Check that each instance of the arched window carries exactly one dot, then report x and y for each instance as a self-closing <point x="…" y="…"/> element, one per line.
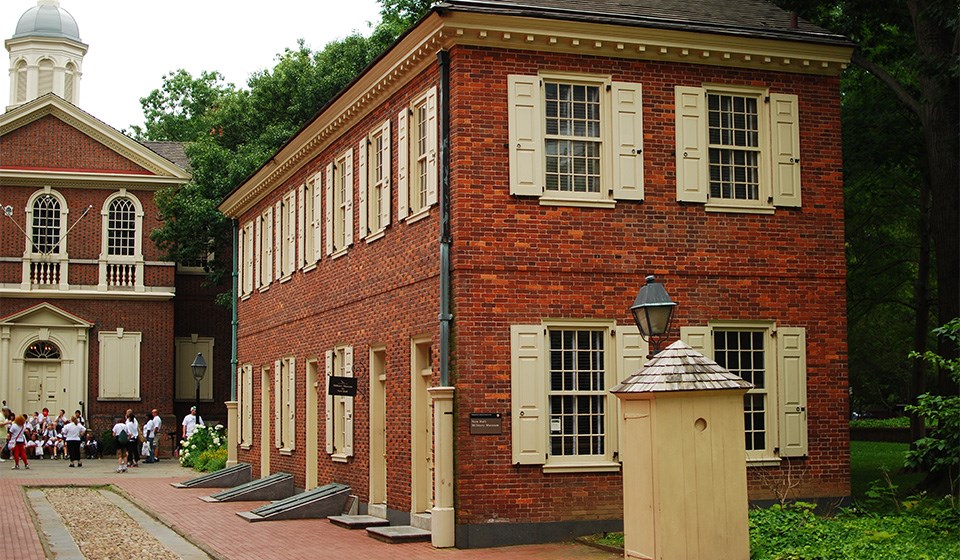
<point x="69" y="79"/>
<point x="42" y="350"/>
<point x="122" y="228"/>
<point x="45" y="77"/>
<point x="21" y="71"/>
<point x="46" y="224"/>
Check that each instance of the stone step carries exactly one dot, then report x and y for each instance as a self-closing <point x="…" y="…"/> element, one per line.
<point x="398" y="534"/>
<point x="422" y="521"/>
<point x="358" y="521"/>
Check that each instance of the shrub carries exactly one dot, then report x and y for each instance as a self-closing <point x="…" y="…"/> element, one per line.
<point x="202" y="439"/>
<point x="108" y="443"/>
<point x="211" y="460"/>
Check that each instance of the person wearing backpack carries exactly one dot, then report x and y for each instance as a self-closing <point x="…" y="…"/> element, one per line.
<point x="122" y="437"/>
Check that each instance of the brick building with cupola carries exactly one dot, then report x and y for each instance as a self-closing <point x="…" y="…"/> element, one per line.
<point x="463" y="229"/>
<point x="91" y="311"/>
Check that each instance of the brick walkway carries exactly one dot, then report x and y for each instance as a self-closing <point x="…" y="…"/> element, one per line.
<point x="219" y="531"/>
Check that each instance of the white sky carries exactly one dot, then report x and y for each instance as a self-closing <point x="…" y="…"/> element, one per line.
<point x="133" y="43"/>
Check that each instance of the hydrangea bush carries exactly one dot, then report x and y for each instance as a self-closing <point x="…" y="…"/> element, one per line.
<point x="202" y="440"/>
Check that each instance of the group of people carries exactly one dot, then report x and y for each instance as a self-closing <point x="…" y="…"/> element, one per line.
<point x="136" y="443"/>
<point x="41" y="436"/>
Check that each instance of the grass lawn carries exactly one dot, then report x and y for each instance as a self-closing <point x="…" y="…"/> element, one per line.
<point x="868" y="461"/>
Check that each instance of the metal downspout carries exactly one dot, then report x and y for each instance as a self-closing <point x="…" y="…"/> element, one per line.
<point x="233" y="312"/>
<point x="446" y="317"/>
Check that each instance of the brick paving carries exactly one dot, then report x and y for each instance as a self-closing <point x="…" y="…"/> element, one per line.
<point x="219" y="531"/>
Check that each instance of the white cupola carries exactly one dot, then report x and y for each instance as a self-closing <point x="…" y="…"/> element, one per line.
<point x="46" y="55"/>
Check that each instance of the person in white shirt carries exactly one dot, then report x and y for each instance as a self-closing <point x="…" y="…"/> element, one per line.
<point x="190" y="423"/>
<point x="73" y="431"/>
<point x="150" y="431"/>
<point x="133" y="447"/>
<point x="121" y="426"/>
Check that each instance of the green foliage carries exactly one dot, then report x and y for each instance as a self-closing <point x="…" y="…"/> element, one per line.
<point x="108" y="443"/>
<point x="939" y="452"/>
<point x="204" y="439"/>
<point x="182" y="109"/>
<point x="895" y="422"/>
<point x="873" y="461"/>
<point x="211" y="460"/>
<point x="921" y="529"/>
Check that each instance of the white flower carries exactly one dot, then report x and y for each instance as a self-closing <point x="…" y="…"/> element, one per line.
<point x="216" y="441"/>
<point x="193" y="446"/>
<point x="218" y="427"/>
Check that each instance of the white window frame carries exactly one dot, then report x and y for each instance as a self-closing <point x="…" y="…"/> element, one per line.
<point x="287" y="236"/>
<point x="285" y="404"/>
<point x="339" y="204"/>
<point x="783" y="399"/>
<point x="245" y="406"/>
<point x="265" y="249"/>
<point x="338" y="410"/>
<point x="375" y="168"/>
<point x="247" y="251"/>
<point x="624" y="353"/>
<point x="116" y="270"/>
<point x="778" y="147"/>
<point x="620" y="139"/>
<point x="417" y="173"/>
<point x="46" y="269"/>
<point x="310" y="222"/>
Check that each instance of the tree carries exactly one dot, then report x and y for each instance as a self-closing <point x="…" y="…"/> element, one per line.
<point x="182" y="109"/>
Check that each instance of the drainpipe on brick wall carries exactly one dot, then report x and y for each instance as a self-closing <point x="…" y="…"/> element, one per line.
<point x="443" y="516"/>
<point x="233" y="313"/>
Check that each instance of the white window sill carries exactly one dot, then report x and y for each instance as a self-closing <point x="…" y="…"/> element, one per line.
<point x="373" y="236"/>
<point x="764" y="462"/>
<point x="418" y="215"/>
<point x="338" y="253"/>
<point x="285" y="451"/>
<point x="733" y="208"/>
<point x="548" y="200"/>
<point x="262" y="289"/>
<point x="309" y="267"/>
<point x="581" y="467"/>
<point x="244" y="297"/>
<point x="246" y="446"/>
<point x="286" y="278"/>
<point x="339" y="458"/>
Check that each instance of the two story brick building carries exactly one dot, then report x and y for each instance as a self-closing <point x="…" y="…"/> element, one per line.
<point x="464" y="228"/>
<point x="91" y="311"/>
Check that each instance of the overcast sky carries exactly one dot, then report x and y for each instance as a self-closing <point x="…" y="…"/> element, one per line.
<point x="133" y="43"/>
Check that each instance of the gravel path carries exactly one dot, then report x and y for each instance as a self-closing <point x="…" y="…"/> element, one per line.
<point x="101" y="529"/>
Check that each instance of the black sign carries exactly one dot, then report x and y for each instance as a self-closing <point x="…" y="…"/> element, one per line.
<point x="484" y="423"/>
<point x="342" y="386"/>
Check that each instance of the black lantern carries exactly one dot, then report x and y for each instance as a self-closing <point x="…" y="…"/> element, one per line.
<point x="199" y="367"/>
<point x="653" y="311"/>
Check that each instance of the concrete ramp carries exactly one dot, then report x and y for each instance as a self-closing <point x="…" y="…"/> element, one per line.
<point x="229" y="477"/>
<point x="274" y="487"/>
<point x="320" y="502"/>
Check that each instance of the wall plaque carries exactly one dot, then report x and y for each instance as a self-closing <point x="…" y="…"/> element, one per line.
<point x="482" y="423"/>
<point x="342" y="386"/>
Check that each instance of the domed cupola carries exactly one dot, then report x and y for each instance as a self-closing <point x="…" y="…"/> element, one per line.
<point x="46" y="55"/>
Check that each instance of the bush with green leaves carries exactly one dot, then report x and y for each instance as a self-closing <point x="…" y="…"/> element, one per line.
<point x="211" y="460"/>
<point x="939" y="452"/>
<point x="203" y="439"/>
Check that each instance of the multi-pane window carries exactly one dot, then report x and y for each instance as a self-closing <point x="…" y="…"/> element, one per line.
<point x="572" y="137"/>
<point x="122" y="228"/>
<point x="734" y="145"/>
<point x="340" y="201"/>
<point x="339" y="409"/>
<point x="46" y="224"/>
<point x="577" y="392"/>
<point x="743" y="353"/>
<point x="42" y="350"/>
<point x="419" y="143"/>
<point x="379" y="176"/>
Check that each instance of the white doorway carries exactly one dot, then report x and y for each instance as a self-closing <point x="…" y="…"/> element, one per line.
<point x="421" y="436"/>
<point x="378" y="426"/>
<point x="313" y="424"/>
<point x="266" y="421"/>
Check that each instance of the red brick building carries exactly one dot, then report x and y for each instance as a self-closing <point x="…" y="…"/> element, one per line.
<point x="91" y="311"/>
<point x="464" y="228"/>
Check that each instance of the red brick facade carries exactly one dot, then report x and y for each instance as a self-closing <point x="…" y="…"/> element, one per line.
<point x="516" y="262"/>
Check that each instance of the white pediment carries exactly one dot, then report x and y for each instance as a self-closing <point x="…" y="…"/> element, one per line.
<point x="44" y="315"/>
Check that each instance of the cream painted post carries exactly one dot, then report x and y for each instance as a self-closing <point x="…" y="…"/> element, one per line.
<point x="6" y="381"/>
<point x="443" y="516"/>
<point x="684" y="463"/>
<point x="231" y="433"/>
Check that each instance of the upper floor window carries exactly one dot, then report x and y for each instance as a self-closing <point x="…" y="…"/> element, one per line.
<point x="46" y="224"/>
<point x="375" y="182"/>
<point x="122" y="228"/>
<point x="339" y="215"/>
<point x="417" y="155"/>
<point x="21" y="75"/>
<point x="69" y="82"/>
<point x="738" y="148"/>
<point x="286" y="241"/>
<point x="575" y="139"/>
<point x="310" y="223"/>
<point x="263" y="267"/>
<point x="44" y="77"/>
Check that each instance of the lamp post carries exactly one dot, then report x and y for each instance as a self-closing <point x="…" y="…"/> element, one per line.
<point x="653" y="311"/>
<point x="199" y="367"/>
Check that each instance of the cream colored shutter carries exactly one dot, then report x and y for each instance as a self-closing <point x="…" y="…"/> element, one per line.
<point x="348" y="193"/>
<point x="328" y="215"/>
<point x="785" y="138"/>
<point x="250" y="258"/>
<point x="279" y="239"/>
<point x="329" y="402"/>
<point x="363" y="183"/>
<point x="317" y="217"/>
<point x="529" y="395"/>
<point x="432" y="147"/>
<point x="241" y="263"/>
<point x="258" y="254"/>
<point x="240" y="403"/>
<point x="347" y="405"/>
<point x="628" y="141"/>
<point x="277" y="404"/>
<point x="248" y="430"/>
<point x="691" y="144"/>
<point x="792" y="384"/>
<point x="301" y="225"/>
<point x="385" y="199"/>
<point x="631" y="355"/>
<point x="525" y="135"/>
<point x="291" y="232"/>
<point x="291" y="440"/>
<point x="698" y="338"/>
<point x="267" y="238"/>
<point x="403" y="155"/>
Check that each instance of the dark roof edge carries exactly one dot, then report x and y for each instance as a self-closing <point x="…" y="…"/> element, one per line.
<point x="492" y="7"/>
